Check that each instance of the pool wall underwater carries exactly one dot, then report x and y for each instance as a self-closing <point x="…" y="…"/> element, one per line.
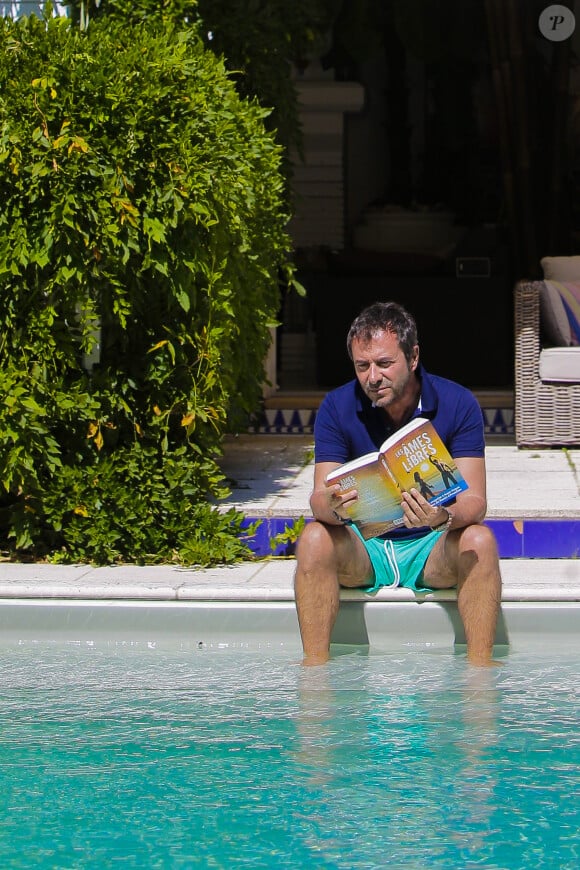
<point x="200" y="624"/>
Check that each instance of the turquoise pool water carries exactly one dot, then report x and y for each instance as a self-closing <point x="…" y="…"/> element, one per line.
<point x="126" y="755"/>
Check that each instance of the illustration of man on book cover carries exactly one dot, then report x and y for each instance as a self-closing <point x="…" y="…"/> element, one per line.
<point x="445" y="471"/>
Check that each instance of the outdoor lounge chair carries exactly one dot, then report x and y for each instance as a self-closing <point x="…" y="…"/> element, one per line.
<point x="547" y="364"/>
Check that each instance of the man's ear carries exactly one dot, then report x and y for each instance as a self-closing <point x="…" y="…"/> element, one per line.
<point x="414" y="358"/>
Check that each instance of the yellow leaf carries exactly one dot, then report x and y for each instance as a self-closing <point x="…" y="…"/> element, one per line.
<point x="81" y="510"/>
<point x="157" y="410"/>
<point x="187" y="419"/>
<point x="92" y="431"/>
<point x="99" y="440"/>
<point x="78" y="144"/>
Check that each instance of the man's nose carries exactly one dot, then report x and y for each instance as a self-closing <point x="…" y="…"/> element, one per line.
<point x="375" y="374"/>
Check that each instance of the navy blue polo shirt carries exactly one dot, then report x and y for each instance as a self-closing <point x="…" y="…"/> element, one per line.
<point x="347" y="425"/>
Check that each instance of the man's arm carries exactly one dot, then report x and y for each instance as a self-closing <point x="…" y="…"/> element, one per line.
<point x="326" y="502"/>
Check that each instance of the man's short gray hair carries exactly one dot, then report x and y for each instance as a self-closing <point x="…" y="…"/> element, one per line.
<point x="384" y="317"/>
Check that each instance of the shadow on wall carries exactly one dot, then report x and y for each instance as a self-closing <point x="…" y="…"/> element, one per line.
<point x="384" y="623"/>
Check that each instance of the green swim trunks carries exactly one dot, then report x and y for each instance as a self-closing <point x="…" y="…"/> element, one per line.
<point x="399" y="562"/>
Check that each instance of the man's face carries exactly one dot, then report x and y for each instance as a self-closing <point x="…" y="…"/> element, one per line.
<point x="382" y="369"/>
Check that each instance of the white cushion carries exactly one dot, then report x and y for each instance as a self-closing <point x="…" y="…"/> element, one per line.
<point x="561" y="364"/>
<point x="561" y="268"/>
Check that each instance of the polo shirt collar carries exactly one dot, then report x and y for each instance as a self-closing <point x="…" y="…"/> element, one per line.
<point x="429" y="399"/>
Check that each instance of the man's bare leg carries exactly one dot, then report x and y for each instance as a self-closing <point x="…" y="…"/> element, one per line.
<point x="479" y="592"/>
<point x="327" y="557"/>
<point x="469" y="559"/>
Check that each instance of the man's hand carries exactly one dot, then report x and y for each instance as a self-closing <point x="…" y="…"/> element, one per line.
<point x="418" y="512"/>
<point x="328" y="503"/>
<point x="338" y="501"/>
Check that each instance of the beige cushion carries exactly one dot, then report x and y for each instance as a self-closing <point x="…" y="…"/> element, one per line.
<point x="561" y="268"/>
<point x="560" y="364"/>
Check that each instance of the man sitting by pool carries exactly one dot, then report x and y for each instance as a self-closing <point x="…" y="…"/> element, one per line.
<point x="439" y="547"/>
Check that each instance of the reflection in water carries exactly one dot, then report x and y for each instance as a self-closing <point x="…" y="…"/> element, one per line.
<point x="399" y="751"/>
<point x="478" y="734"/>
<point x="408" y="755"/>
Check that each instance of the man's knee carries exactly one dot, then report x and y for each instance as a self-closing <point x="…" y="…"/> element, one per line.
<point x="479" y="539"/>
<point x="315" y="543"/>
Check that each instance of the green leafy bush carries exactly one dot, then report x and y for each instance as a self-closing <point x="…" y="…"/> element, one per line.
<point x="142" y="226"/>
<point x="260" y="42"/>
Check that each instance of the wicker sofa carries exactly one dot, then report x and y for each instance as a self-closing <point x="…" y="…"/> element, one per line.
<point x="547" y="410"/>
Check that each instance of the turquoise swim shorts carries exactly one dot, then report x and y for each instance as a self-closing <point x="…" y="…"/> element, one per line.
<point x="399" y="562"/>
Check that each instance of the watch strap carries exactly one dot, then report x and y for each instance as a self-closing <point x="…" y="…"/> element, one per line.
<point x="446" y="524"/>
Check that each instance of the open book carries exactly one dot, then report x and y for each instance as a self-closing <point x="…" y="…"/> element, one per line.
<point x="413" y="457"/>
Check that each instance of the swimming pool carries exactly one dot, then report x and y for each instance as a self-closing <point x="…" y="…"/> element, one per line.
<point x="144" y="751"/>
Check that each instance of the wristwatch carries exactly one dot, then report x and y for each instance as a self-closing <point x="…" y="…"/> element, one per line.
<point x="446" y="524"/>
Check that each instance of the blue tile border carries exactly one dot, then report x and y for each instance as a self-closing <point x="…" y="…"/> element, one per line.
<point x="537" y="538"/>
<point x="268" y="528"/>
<point x="517" y="539"/>
<point x="292" y="421"/>
<point x="284" y="422"/>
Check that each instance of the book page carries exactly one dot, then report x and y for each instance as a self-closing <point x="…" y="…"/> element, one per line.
<point x="400" y="434"/>
<point x="352" y="464"/>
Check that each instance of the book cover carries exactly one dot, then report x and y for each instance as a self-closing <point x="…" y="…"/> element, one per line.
<point x="413" y="457"/>
<point x="379" y="496"/>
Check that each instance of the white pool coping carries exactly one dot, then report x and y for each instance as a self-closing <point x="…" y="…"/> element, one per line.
<point x="259" y="581"/>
